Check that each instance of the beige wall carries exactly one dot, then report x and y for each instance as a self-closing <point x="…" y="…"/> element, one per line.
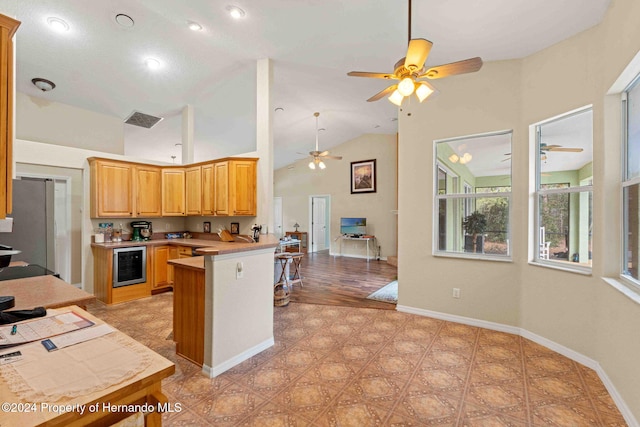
<point x="580" y="312"/>
<point x="297" y="182"/>
<point x="55" y="123"/>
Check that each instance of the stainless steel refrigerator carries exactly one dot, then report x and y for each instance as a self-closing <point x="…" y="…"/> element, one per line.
<point x="33" y="222"/>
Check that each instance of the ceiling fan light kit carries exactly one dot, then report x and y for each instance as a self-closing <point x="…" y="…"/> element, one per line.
<point x="411" y="68"/>
<point x="317" y="155"/>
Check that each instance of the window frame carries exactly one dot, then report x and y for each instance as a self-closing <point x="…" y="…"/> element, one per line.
<point x="463" y="197"/>
<point x="539" y="192"/>
<point x="626" y="182"/>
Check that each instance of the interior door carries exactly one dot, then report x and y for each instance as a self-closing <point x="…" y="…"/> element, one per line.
<point x="277" y="216"/>
<point x="319" y="237"/>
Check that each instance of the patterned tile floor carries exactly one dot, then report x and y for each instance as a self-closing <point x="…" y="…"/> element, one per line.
<point x="343" y="366"/>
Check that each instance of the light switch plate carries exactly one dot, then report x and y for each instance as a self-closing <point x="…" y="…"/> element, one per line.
<point x="239" y="270"/>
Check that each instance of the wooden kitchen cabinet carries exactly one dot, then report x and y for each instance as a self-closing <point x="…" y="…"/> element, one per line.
<point x="111" y="189"/>
<point x="8" y="27"/>
<point x="173" y="192"/>
<point x="235" y="184"/>
<point x="148" y="191"/>
<point x="208" y="189"/>
<point x="193" y="177"/>
<point x="162" y="271"/>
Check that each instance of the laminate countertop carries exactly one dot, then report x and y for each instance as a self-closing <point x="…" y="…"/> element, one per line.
<point x="44" y="291"/>
<point x="193" y="263"/>
<point x="204" y="246"/>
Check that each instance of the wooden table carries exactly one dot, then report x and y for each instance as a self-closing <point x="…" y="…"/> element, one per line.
<point x="144" y="387"/>
<point x="44" y="291"/>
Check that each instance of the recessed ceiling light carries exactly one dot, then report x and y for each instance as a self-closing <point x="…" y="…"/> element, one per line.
<point x="152" y="63"/>
<point x="58" y="24"/>
<point x="235" y="12"/>
<point x="194" y="26"/>
<point x="124" y="20"/>
<point x="43" y="84"/>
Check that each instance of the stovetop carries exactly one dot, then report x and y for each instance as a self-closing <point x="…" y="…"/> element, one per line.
<point x="31" y="270"/>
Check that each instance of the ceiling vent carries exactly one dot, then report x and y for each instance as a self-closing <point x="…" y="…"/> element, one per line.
<point x="143" y="120"/>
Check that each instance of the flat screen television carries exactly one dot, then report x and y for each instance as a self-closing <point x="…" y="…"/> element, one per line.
<point x="353" y="225"/>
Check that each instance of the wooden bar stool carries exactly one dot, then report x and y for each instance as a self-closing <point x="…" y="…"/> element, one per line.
<point x="296" y="261"/>
<point x="284" y="258"/>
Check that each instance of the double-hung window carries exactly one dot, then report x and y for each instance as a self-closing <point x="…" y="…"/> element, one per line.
<point x="473" y="196"/>
<point x="631" y="184"/>
<point x="564" y="196"/>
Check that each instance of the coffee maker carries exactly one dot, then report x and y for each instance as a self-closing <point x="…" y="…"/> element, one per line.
<point x="141" y="231"/>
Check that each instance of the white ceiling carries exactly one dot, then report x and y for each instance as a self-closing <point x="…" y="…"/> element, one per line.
<point x="99" y="65"/>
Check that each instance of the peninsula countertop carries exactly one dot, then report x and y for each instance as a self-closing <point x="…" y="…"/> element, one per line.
<point x="205" y="246"/>
<point x="44" y="291"/>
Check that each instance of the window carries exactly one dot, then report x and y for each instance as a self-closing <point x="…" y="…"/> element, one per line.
<point x="564" y="197"/>
<point x="631" y="184"/>
<point x="473" y="196"/>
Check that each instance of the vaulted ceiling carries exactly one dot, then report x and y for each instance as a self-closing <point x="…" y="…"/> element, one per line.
<point x="99" y="65"/>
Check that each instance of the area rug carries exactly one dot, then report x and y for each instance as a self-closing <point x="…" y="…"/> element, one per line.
<point x="388" y="293"/>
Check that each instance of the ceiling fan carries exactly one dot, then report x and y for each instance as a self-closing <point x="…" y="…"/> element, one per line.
<point x="317" y="155"/>
<point x="544" y="148"/>
<point x="410" y="69"/>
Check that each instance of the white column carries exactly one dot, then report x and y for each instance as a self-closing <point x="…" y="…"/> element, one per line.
<point x="187" y="134"/>
<point x="264" y="142"/>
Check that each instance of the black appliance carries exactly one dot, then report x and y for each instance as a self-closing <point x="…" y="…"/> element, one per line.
<point x="129" y="266"/>
<point x="22" y="272"/>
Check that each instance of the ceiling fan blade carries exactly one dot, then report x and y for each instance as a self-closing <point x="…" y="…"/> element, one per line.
<point x="568" y="150"/>
<point x="461" y="67"/>
<point x="507" y="159"/>
<point x="324" y="153"/>
<point x="333" y="157"/>
<point x="372" y="75"/>
<point x="417" y="53"/>
<point x="383" y="93"/>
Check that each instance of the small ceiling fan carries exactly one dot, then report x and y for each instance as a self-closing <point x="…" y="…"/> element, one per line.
<point x="316" y="155"/>
<point x="410" y="69"/>
<point x="544" y="148"/>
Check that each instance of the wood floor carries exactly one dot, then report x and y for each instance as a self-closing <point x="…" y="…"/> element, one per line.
<point x="342" y="281"/>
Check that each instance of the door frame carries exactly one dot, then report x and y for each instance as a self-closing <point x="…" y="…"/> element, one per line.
<point x="327" y="198"/>
<point x="278" y="200"/>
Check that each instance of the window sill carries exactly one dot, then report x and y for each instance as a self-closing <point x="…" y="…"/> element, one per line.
<point x="584" y="271"/>
<point x="623" y="288"/>
<point x="478" y="257"/>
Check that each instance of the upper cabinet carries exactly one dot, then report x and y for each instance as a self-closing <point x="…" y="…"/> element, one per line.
<point x="148" y="191"/>
<point x="8" y="27"/>
<point x="194" y="195"/>
<point x="173" y="192"/>
<point x="236" y="187"/>
<point x="111" y="189"/>
<point x="226" y="187"/>
<point x="208" y="189"/>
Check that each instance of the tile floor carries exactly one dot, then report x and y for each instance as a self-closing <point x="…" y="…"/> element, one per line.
<point x="343" y="366"/>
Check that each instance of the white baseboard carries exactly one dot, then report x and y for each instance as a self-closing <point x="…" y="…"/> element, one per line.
<point x="371" y="258"/>
<point x="236" y="360"/>
<point x="558" y="348"/>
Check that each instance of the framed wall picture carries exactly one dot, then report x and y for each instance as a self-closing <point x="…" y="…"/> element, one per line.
<point x="206" y="227"/>
<point x="235" y="228"/>
<point x="363" y="176"/>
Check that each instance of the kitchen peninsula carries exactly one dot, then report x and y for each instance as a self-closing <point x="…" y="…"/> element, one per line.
<point x="223" y="303"/>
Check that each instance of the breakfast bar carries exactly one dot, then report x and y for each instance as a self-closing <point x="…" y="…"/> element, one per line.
<point x="223" y="303"/>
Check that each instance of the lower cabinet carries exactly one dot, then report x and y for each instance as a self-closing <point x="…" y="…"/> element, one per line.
<point x="162" y="271"/>
<point x="188" y="313"/>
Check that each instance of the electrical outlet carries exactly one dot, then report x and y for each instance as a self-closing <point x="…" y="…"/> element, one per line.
<point x="239" y="270"/>
<point x="456" y="292"/>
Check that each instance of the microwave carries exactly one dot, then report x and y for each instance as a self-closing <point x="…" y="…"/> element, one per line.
<point x="129" y="266"/>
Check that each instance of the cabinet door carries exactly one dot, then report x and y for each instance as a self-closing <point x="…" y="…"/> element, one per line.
<point x="193" y="176"/>
<point x="148" y="191"/>
<point x="112" y="189"/>
<point x="160" y="267"/>
<point x="242" y="187"/>
<point x="208" y="190"/>
<point x="221" y="193"/>
<point x="8" y="27"/>
<point x="173" y="186"/>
